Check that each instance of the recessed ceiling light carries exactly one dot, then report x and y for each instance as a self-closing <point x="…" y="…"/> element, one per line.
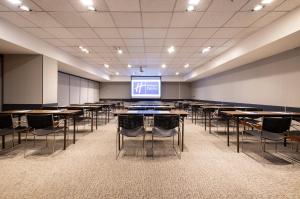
<point x="106" y="65"/>
<point x="177" y="73"/>
<point x="186" y="65"/>
<point x="91" y="8"/>
<point x="190" y="8"/>
<point x="15" y="2"/>
<point x="266" y="1"/>
<point x="171" y="49"/>
<point x="258" y="7"/>
<point x="194" y="2"/>
<point x="129" y="66"/>
<point x="84" y="50"/>
<point x="164" y="66"/>
<point x="117" y="73"/>
<point x="87" y="2"/>
<point x="205" y="50"/>
<point x="120" y="51"/>
<point x="25" y="8"/>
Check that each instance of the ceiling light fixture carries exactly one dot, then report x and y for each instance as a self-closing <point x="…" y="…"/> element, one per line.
<point x="186" y="65"/>
<point x="190" y="8"/>
<point x="129" y="66"/>
<point x="171" y="49"/>
<point x="266" y="1"/>
<point x="15" y="2"/>
<point x="257" y="7"/>
<point x="163" y="65"/>
<point x="84" y="50"/>
<point x="106" y="65"/>
<point x="91" y="8"/>
<point x="194" y="2"/>
<point x="25" y="8"/>
<point x="120" y="51"/>
<point x="177" y="73"/>
<point x="205" y="50"/>
<point x="87" y="2"/>
<point x="117" y="73"/>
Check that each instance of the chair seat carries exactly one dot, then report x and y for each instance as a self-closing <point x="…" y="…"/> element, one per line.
<point x="163" y="133"/>
<point x="266" y="135"/>
<point x="294" y="136"/>
<point x="133" y="132"/>
<point x="47" y="131"/>
<point x="20" y="129"/>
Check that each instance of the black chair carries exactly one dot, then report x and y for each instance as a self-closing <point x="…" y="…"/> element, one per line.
<point x="42" y="125"/>
<point x="129" y="126"/>
<point x="82" y="116"/>
<point x="164" y="127"/>
<point x="273" y="129"/>
<point x="7" y="127"/>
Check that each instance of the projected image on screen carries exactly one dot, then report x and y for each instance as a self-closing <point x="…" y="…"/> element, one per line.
<point x="145" y="87"/>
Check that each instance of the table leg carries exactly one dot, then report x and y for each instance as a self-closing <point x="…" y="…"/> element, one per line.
<point x="108" y="113"/>
<point x="209" y="121"/>
<point x="182" y="130"/>
<point x="228" y="131"/>
<point x="204" y="120"/>
<point x="192" y="114"/>
<point x="237" y="134"/>
<point x="65" y="133"/>
<point x="74" y="129"/>
<point x="19" y="134"/>
<point x="92" y="121"/>
<point x="96" y="119"/>
<point x="3" y="141"/>
<point x="119" y="137"/>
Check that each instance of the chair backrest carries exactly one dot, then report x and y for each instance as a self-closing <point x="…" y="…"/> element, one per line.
<point x="276" y="124"/>
<point x="131" y="121"/>
<point x="166" y="121"/>
<point x="6" y="121"/>
<point x="40" y="121"/>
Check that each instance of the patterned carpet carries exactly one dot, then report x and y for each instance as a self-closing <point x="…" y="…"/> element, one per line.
<point x="207" y="169"/>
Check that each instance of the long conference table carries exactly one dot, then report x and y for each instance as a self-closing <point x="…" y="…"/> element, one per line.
<point x="66" y="114"/>
<point x="150" y="107"/>
<point x="182" y="114"/>
<point x="237" y="115"/>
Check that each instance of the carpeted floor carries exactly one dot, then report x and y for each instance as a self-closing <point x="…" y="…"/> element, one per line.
<point x="207" y="169"/>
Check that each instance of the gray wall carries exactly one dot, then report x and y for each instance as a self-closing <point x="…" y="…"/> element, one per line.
<point x="121" y="90"/>
<point x="271" y="81"/>
<point x="75" y="90"/>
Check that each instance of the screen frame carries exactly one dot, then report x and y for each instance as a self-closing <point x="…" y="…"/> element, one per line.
<point x="143" y="98"/>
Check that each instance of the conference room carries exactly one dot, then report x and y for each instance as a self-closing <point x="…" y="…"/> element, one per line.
<point x="149" y="99"/>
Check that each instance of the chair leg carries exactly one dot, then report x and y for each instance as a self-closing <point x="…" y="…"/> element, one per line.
<point x="13" y="142"/>
<point x="53" y="143"/>
<point x="46" y="141"/>
<point x="25" y="146"/>
<point x="34" y="140"/>
<point x="152" y="146"/>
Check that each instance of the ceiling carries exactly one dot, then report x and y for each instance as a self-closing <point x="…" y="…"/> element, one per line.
<point x="144" y="30"/>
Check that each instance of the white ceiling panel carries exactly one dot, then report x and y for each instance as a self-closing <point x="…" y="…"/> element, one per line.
<point x="155" y="32"/>
<point x="244" y="19"/>
<point x="107" y="32"/>
<point x="69" y="19"/>
<point x="119" y="5"/>
<point x="157" y="5"/>
<point x="203" y="32"/>
<point x="114" y="42"/>
<point x="194" y="42"/>
<point x="39" y="32"/>
<point x="153" y="49"/>
<point x="179" y="32"/>
<point x="158" y="20"/>
<point x="135" y="49"/>
<point x="252" y="3"/>
<point x="215" y="42"/>
<point x="54" y="5"/>
<point x="131" y="33"/>
<point x="93" y="42"/>
<point x="214" y="19"/>
<point x="226" y="5"/>
<point x="55" y="42"/>
<point x="100" y="5"/>
<point x="73" y="42"/>
<point x="268" y="19"/>
<point x="227" y="32"/>
<point x="124" y="19"/>
<point x="82" y="33"/>
<point x="174" y="42"/>
<point x="134" y="42"/>
<point x="59" y="32"/>
<point x="185" y="19"/>
<point x="41" y="19"/>
<point x="288" y="5"/>
<point x="16" y="19"/>
<point x="154" y="42"/>
<point x="98" y="19"/>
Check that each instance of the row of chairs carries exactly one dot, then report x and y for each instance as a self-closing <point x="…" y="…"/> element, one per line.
<point x="134" y="126"/>
<point x="37" y="125"/>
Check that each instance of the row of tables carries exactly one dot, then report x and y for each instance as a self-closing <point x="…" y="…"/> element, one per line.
<point x="234" y="113"/>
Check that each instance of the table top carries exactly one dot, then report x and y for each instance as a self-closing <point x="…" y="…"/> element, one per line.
<point x="151" y="106"/>
<point x="82" y="106"/>
<point x="260" y="113"/>
<point x="150" y="112"/>
<point x="229" y="107"/>
<point x="55" y="112"/>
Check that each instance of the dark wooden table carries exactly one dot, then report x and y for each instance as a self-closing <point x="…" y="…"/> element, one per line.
<point x="196" y="106"/>
<point x="182" y="114"/>
<point x="150" y="107"/>
<point x="62" y="113"/>
<point x="255" y="114"/>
